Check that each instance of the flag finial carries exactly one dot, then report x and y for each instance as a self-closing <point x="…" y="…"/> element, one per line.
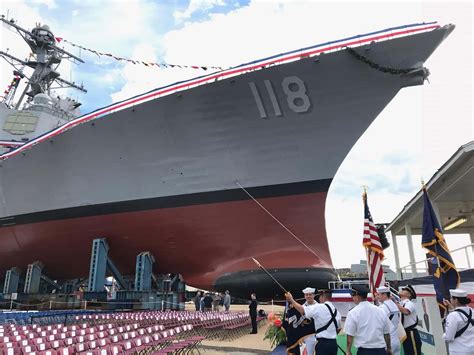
<point x="423" y="185"/>
<point x="364" y="192"/>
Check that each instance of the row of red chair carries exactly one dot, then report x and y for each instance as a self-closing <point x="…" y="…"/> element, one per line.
<point x="122" y="332"/>
<point x="122" y="342"/>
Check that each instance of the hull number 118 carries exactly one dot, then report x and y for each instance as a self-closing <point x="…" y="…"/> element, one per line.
<point x="294" y="89"/>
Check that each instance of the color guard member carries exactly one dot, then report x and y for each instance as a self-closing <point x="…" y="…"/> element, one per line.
<point x="367" y="326"/>
<point x="327" y="321"/>
<point x="391" y="310"/>
<point x="306" y="309"/>
<point x="412" y="344"/>
<point x="459" y="324"/>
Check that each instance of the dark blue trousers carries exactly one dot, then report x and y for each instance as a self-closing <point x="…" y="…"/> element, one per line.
<point x="326" y="347"/>
<point x="412" y="344"/>
<point x="363" y="351"/>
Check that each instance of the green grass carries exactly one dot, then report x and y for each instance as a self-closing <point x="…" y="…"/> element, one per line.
<point x="342" y="342"/>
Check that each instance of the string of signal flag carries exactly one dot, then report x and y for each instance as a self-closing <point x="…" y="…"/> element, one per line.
<point x="13" y="84"/>
<point x="139" y="62"/>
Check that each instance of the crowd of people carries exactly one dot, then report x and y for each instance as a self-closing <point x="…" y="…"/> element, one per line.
<point x="374" y="328"/>
<point x="207" y="301"/>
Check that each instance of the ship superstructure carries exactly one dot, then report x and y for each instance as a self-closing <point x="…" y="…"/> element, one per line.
<point x="37" y="109"/>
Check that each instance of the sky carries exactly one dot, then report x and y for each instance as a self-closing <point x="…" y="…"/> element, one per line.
<point x="415" y="134"/>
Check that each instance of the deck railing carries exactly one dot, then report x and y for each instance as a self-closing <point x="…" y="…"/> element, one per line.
<point x="423" y="270"/>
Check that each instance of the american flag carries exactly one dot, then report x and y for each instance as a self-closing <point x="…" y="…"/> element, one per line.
<point x="374" y="249"/>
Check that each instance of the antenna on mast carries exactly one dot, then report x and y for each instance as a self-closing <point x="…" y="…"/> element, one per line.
<point x="45" y="55"/>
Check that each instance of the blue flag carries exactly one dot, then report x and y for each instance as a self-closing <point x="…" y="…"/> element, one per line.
<point x="441" y="264"/>
<point x="297" y="327"/>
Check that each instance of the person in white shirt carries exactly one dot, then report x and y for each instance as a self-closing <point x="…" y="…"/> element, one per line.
<point x="412" y="343"/>
<point x="459" y="324"/>
<point x="391" y="310"/>
<point x="367" y="326"/>
<point x="310" y="341"/>
<point x="327" y="322"/>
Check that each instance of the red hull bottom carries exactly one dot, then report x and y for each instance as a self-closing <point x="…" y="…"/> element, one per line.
<point x="202" y="242"/>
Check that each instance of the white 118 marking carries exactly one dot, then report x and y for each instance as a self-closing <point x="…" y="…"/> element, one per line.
<point x="295" y="91"/>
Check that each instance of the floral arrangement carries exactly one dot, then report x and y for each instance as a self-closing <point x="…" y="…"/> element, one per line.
<point x="275" y="333"/>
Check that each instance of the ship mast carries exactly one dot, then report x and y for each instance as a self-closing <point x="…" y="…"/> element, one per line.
<point x="47" y="57"/>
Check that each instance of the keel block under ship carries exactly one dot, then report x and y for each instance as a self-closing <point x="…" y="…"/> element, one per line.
<point x="161" y="171"/>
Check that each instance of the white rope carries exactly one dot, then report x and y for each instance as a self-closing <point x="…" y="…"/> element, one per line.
<point x="287" y="229"/>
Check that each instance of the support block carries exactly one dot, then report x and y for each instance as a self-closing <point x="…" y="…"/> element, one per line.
<point x="33" y="277"/>
<point x="98" y="265"/>
<point x="143" y="271"/>
<point x="12" y="278"/>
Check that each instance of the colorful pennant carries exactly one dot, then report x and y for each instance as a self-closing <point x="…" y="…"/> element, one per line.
<point x="148" y="64"/>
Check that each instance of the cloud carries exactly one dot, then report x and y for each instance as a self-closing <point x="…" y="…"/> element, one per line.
<point x="111" y="28"/>
<point x="266" y="28"/>
<point x="344" y="222"/>
<point x="141" y="78"/>
<point x="50" y="4"/>
<point x="196" y="6"/>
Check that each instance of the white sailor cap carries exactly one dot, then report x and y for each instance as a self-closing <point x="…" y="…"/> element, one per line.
<point x="458" y="293"/>
<point x="383" y="289"/>
<point x="309" y="290"/>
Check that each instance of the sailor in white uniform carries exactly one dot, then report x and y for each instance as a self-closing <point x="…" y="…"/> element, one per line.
<point x="412" y="343"/>
<point x="307" y="307"/>
<point x="367" y="326"/>
<point x="327" y="321"/>
<point x="391" y="310"/>
<point x="459" y="324"/>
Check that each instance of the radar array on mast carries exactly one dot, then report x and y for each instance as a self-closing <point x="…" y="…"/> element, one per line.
<point x="44" y="60"/>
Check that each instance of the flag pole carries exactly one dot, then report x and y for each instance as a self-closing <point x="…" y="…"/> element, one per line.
<point x="433" y="240"/>
<point x="438" y="268"/>
<point x="279" y="285"/>
<point x="266" y="272"/>
<point x="438" y="265"/>
<point x="368" y="269"/>
<point x="364" y="199"/>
